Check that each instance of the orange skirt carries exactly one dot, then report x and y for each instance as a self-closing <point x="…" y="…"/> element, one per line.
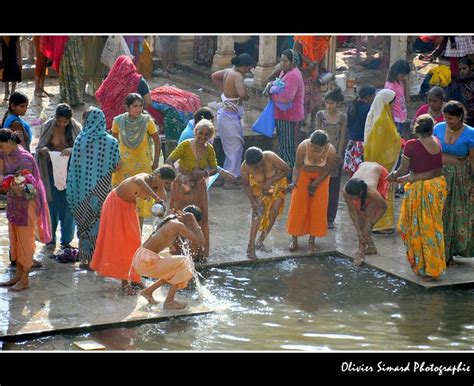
<point x="22" y="239"/>
<point x="308" y="215"/>
<point x="118" y="240"/>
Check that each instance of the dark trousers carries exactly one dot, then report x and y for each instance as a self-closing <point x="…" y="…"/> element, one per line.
<point x="334" y="187"/>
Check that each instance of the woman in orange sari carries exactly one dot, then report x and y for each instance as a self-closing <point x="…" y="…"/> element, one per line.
<point x="382" y="145"/>
<point x="315" y="160"/>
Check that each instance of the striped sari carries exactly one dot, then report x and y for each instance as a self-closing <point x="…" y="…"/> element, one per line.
<point x="421" y="228"/>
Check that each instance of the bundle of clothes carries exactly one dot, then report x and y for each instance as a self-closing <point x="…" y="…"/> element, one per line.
<point x="172" y="108"/>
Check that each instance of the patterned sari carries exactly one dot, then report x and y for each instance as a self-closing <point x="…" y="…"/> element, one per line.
<point x="458" y="211"/>
<point x="71" y="72"/>
<point x="421" y="227"/>
<point x="94" y="157"/>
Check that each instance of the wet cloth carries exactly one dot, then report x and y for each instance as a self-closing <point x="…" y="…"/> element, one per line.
<point x="176" y="270"/>
<point x="22" y="238"/>
<point x="231" y="134"/>
<point x="458" y="212"/>
<point x="269" y="200"/>
<point x="118" y="221"/>
<point x="308" y="215"/>
<point x="94" y="157"/>
<point x="59" y="164"/>
<point x="122" y="80"/>
<point x="18" y="208"/>
<point x="135" y="146"/>
<point x="72" y="131"/>
<point x="420" y="226"/>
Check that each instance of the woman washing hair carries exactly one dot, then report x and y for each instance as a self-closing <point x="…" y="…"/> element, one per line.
<point x="369" y="185"/>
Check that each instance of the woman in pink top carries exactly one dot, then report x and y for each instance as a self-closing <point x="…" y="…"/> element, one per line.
<point x="397" y="81"/>
<point x="289" y="107"/>
<point x="434" y="106"/>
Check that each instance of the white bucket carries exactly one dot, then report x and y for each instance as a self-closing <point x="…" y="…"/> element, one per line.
<point x="341" y="82"/>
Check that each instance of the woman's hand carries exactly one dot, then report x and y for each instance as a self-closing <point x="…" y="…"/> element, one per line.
<point x="312" y="187"/>
<point x="290" y="187"/>
<point x="156" y="163"/>
<point x="66" y="152"/>
<point x="44" y="151"/>
<point x="391" y="177"/>
<point x="227" y="176"/>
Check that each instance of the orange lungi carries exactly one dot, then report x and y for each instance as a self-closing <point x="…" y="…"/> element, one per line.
<point x="119" y="237"/>
<point x="22" y="239"/>
<point x="175" y="269"/>
<point x="308" y="215"/>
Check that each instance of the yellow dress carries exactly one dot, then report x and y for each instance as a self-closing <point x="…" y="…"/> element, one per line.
<point x="134" y="161"/>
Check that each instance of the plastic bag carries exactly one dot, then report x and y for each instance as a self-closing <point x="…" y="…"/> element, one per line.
<point x="265" y="123"/>
<point x="114" y="47"/>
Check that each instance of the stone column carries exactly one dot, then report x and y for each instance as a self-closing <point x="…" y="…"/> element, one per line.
<point x="224" y="53"/>
<point x="398" y="48"/>
<point x="185" y="49"/>
<point x="330" y="58"/>
<point x="266" y="59"/>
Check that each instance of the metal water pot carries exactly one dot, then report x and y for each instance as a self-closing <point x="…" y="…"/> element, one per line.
<point x="325" y="78"/>
<point x="158" y="210"/>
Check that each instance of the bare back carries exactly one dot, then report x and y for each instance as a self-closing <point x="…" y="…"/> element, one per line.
<point x="165" y="236"/>
<point x="129" y="189"/>
<point x="370" y="173"/>
<point x="233" y="85"/>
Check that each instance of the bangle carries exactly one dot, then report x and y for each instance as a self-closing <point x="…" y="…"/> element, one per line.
<point x="195" y="230"/>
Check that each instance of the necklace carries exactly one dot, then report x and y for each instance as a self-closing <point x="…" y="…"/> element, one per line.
<point x="455" y="131"/>
<point x="322" y="151"/>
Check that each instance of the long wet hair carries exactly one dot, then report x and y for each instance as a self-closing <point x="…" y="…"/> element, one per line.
<point x="194" y="209"/>
<point x="357" y="187"/>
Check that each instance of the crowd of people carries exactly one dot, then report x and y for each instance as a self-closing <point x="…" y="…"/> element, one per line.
<point x="102" y="176"/>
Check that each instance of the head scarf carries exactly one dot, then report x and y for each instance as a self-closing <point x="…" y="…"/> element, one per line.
<point x="382" y="98"/>
<point x="21" y="159"/>
<point x="381" y="140"/>
<point x="122" y="80"/>
<point x="94" y="155"/>
<point x="72" y="131"/>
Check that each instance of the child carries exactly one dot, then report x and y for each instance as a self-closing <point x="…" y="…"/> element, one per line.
<point x="172" y="269"/>
<point x="334" y="122"/>
<point x="356" y="116"/>
<point x="397" y="81"/>
<point x="119" y="222"/>
<point x="17" y="106"/>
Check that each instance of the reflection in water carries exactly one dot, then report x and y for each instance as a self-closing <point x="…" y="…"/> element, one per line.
<point x="315" y="304"/>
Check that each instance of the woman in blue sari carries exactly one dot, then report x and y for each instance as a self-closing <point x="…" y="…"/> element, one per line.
<point x="95" y="155"/>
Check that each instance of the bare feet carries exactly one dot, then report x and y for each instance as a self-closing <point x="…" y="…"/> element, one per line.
<point x="20" y="286"/>
<point x="293" y="245"/>
<point x="174" y="305"/>
<point x="251" y="253"/>
<point x="359" y="259"/>
<point x="259" y="246"/>
<point x="371" y="249"/>
<point x="148" y="296"/>
<point x="37" y="264"/>
<point x="311" y="245"/>
<point x="10" y="282"/>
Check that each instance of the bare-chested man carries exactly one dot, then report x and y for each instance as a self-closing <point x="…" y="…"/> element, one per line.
<point x="264" y="181"/>
<point x="231" y="82"/>
<point x="175" y="270"/>
<point x="119" y="230"/>
<point x="369" y="184"/>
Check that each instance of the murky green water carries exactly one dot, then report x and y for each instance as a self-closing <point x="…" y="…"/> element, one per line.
<point x="316" y="304"/>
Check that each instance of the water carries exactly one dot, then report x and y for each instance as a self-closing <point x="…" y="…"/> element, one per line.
<point x="315" y="304"/>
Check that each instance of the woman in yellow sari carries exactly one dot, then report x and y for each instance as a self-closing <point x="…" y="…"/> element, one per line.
<point x="382" y="145"/>
<point x="134" y="130"/>
<point x="264" y="182"/>
<point x="421" y="218"/>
